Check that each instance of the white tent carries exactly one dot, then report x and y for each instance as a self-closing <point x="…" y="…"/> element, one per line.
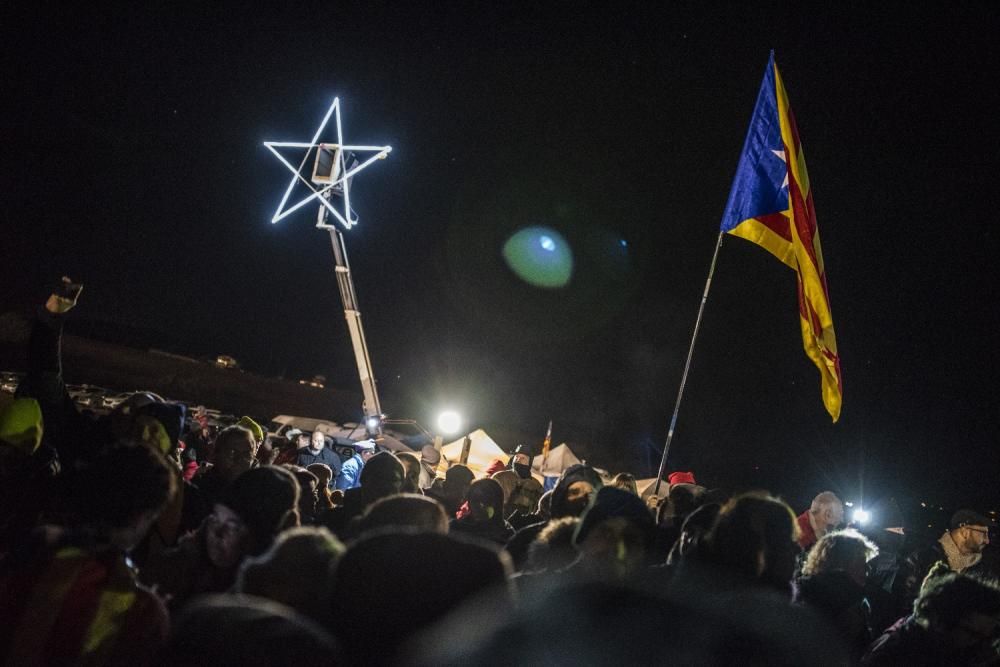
<point x="482" y="452"/>
<point x="645" y="487"/>
<point x="559" y="459"/>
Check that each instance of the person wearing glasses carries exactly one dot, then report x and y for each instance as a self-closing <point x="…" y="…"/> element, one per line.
<point x="960" y="547"/>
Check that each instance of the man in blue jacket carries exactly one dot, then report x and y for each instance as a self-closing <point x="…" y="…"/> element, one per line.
<point x="350" y="473"/>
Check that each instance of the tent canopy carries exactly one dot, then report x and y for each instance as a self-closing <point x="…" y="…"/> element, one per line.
<point x="559" y="459"/>
<point x="645" y="487"/>
<point x="482" y="452"/>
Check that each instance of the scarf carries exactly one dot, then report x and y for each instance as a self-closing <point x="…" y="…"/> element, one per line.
<point x="956" y="559"/>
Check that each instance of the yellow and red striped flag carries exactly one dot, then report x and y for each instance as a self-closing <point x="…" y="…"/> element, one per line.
<point x="771" y="204"/>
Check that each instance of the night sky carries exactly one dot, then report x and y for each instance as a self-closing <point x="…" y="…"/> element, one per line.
<point x="132" y="161"/>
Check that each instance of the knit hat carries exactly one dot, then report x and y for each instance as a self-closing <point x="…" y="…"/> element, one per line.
<point x="496" y="466"/>
<point x="263" y="498"/>
<point x="171" y="415"/>
<point x="21" y="425"/>
<point x="253" y="427"/>
<point x="681" y="478"/>
<point x="152" y="432"/>
<point x="523" y="449"/>
<point x="578" y="472"/>
<point x="611" y="502"/>
<point x="967" y="517"/>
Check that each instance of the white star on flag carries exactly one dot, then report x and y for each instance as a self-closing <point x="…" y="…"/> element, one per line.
<point x="341" y="184"/>
<point x="781" y="156"/>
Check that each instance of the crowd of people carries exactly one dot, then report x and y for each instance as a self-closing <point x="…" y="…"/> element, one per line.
<point x="117" y="547"/>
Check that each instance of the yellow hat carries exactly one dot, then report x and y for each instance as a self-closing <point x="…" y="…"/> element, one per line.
<point x="21" y="425"/>
<point x="253" y="427"/>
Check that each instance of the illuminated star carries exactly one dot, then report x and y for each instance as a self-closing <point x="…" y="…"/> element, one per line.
<point x="781" y="156"/>
<point x="340" y="186"/>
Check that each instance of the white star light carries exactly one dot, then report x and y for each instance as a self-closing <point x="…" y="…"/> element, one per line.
<point x="781" y="156"/>
<point x="323" y="194"/>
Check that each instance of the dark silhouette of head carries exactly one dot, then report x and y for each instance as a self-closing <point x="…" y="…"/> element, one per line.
<point x="755" y="535"/>
<point x="408" y="511"/>
<point x="380" y="603"/>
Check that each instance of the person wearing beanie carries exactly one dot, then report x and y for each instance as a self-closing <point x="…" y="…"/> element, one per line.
<point x="26" y="480"/>
<point x="960" y="547"/>
<point x="485" y="518"/>
<point x="614" y="536"/>
<point x="573" y="491"/>
<point x="570" y="497"/>
<point x="254" y="509"/>
<point x="252" y="426"/>
<point x="496" y="465"/>
<point x="680" y="477"/>
<point x="520" y="462"/>
<point x="20" y="427"/>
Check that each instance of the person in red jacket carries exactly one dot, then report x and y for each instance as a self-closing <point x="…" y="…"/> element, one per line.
<point x="824" y="515"/>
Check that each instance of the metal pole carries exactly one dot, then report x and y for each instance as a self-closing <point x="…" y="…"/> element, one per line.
<point x="372" y="407"/>
<point x="687" y="367"/>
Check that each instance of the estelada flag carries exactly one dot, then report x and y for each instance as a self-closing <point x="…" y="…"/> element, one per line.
<point x="547" y="442"/>
<point x="771" y="204"/>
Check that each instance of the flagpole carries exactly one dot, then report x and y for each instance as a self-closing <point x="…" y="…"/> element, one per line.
<point x="687" y="366"/>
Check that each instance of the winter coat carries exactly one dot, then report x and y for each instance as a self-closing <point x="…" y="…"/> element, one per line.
<point x="842" y="601"/>
<point x="306" y="457"/>
<point x="74" y="603"/>
<point x="908" y="643"/>
<point x="807" y="535"/>
<point x="496" y="530"/>
<point x="350" y="473"/>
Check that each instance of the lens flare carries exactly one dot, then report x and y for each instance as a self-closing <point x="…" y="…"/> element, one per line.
<point x="540" y="257"/>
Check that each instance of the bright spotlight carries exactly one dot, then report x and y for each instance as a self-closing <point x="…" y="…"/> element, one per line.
<point x="861" y="516"/>
<point x="547" y="243"/>
<point x="372" y="423"/>
<point x="449" y="422"/>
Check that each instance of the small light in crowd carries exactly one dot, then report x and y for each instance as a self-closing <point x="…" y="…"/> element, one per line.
<point x="923" y="504"/>
<point x="861" y="516"/>
<point x="849" y="503"/>
<point x="449" y="422"/>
